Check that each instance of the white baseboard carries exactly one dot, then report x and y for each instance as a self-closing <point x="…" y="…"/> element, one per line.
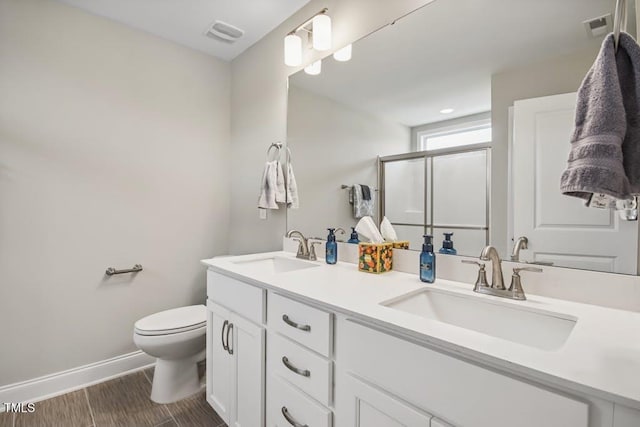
<point x="73" y="379"/>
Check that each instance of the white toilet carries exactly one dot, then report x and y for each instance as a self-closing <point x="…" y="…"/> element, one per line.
<point x="177" y="338"/>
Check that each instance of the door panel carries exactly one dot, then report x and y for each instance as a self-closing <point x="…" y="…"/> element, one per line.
<point x="249" y="353"/>
<point x="219" y="362"/>
<point x="561" y="229"/>
<point x="367" y="406"/>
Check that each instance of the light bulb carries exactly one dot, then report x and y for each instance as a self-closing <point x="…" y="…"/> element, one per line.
<point x="447" y="111"/>
<point x="322" y="32"/>
<point x="314" y="68"/>
<point x="292" y="50"/>
<point x="343" y="54"/>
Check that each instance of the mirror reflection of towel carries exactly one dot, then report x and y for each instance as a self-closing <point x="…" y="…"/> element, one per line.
<point x="366" y="192"/>
<point x="361" y="207"/>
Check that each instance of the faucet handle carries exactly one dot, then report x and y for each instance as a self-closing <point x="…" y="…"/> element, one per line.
<point x="312" y="249"/>
<point x="516" y="271"/>
<point x="516" y="284"/>
<point x="300" y="253"/>
<point x="481" y="280"/>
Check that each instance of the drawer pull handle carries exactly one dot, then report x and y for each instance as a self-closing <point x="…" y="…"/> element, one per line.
<point x="224" y="325"/>
<point x="290" y="419"/>
<point x="302" y="372"/>
<point x="293" y="324"/>
<point x="229" y="329"/>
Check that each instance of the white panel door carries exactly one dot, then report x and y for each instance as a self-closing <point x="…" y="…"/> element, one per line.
<point x="247" y="344"/>
<point x="560" y="229"/>
<point x="219" y="361"/>
<point x="366" y="406"/>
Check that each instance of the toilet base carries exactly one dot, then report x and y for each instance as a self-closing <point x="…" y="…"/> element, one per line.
<point x="174" y="380"/>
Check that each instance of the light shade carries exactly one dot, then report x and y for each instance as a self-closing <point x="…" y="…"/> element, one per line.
<point x="343" y="54"/>
<point x="292" y="50"/>
<point x="314" y="68"/>
<point x="321" y="32"/>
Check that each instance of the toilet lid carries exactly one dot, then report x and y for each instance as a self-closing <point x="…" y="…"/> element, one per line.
<point x="173" y="321"/>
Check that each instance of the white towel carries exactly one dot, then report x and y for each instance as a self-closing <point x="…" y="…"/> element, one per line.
<point x="281" y="195"/>
<point x="292" y="189"/>
<point x="361" y="207"/>
<point x="267" y="199"/>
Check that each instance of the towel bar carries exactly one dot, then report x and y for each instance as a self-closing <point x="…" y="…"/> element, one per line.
<point x="111" y="271"/>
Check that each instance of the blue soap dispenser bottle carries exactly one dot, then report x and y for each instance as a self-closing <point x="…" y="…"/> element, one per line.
<point x="331" y="253"/>
<point x="354" y="236"/>
<point x="447" y="245"/>
<point x="427" y="260"/>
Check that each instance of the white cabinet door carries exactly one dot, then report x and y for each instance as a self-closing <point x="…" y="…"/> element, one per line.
<point x="561" y="229"/>
<point x="248" y="348"/>
<point x="362" y="405"/>
<point x="219" y="361"/>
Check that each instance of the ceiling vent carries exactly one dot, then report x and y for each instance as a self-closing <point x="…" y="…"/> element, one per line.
<point x="598" y="27"/>
<point x="222" y="31"/>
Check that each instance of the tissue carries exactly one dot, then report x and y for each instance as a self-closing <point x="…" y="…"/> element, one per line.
<point x="367" y="228"/>
<point x="387" y="231"/>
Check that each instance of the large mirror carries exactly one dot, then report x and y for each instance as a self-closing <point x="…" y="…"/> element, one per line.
<point x="457" y="117"/>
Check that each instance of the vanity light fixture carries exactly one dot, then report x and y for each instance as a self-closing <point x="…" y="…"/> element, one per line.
<point x="447" y="111"/>
<point x="314" y="68"/>
<point x="318" y="29"/>
<point x="292" y="50"/>
<point x="343" y="54"/>
<point x="321" y="28"/>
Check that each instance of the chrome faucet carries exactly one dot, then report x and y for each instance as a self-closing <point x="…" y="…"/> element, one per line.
<point x="497" y="288"/>
<point x="490" y="253"/>
<point x="303" y="246"/>
<point x="521" y="243"/>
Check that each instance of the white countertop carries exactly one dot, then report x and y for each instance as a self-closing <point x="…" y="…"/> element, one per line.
<point x="601" y="357"/>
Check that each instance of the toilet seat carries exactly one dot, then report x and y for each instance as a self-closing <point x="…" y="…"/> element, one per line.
<point x="172" y="321"/>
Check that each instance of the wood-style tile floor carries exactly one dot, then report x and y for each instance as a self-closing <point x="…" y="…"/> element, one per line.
<point x="121" y="402"/>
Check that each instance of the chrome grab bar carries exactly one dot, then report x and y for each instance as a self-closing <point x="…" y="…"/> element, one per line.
<point x="289" y="418"/>
<point x="301" y="372"/>
<point x="111" y="271"/>
<point x="293" y="324"/>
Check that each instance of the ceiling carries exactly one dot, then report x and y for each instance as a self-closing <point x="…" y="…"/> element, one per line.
<point x="444" y="54"/>
<point x="185" y="21"/>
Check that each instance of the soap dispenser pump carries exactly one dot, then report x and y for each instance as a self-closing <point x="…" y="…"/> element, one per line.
<point x="354" y="236"/>
<point x="427" y="260"/>
<point x="447" y="245"/>
<point x="331" y="253"/>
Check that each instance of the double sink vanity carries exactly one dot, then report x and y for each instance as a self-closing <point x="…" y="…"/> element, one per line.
<point x="299" y="343"/>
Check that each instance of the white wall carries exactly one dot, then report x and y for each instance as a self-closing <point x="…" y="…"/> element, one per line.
<point x="259" y="109"/>
<point x="113" y="148"/>
<point x="331" y="145"/>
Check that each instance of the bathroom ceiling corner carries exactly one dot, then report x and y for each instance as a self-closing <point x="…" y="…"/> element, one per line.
<point x="185" y="23"/>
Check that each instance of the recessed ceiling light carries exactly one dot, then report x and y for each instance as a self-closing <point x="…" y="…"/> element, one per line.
<point x="447" y="111"/>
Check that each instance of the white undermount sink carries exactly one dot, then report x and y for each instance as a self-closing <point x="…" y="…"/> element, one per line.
<point x="276" y="264"/>
<point x="525" y="325"/>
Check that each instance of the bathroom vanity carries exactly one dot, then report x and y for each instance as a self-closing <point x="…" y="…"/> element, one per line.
<point x="300" y="343"/>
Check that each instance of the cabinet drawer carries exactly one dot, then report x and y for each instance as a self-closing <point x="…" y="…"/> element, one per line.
<point x="302" y="367"/>
<point x="300" y="408"/>
<point x="307" y="325"/>
<point x="461" y="392"/>
<point x="237" y="296"/>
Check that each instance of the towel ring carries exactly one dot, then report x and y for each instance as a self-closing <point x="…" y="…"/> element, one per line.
<point x="277" y="146"/>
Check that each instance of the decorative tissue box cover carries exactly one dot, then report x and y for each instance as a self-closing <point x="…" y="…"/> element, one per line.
<point x="401" y="244"/>
<point x="375" y="257"/>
